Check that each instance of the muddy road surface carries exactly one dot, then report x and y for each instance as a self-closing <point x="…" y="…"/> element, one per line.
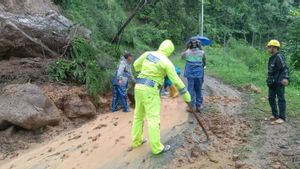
<point x="237" y="140"/>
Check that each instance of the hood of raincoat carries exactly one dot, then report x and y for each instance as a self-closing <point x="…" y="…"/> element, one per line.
<point x="167" y="47"/>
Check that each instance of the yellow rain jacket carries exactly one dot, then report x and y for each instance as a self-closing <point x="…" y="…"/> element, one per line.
<point x="153" y="66"/>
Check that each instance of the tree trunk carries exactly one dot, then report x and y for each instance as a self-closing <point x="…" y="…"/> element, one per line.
<point x="260" y="46"/>
<point x="139" y="6"/>
<point x="253" y="38"/>
<point x="245" y="38"/>
<point x="224" y="38"/>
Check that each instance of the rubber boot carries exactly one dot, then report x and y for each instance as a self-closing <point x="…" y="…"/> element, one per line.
<point x="173" y="91"/>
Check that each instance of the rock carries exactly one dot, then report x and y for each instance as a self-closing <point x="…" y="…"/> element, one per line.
<point x="194" y="153"/>
<point x="75" y="107"/>
<point x="100" y="126"/>
<point x="252" y="88"/>
<point x="235" y="157"/>
<point x="83" y="151"/>
<point x="181" y="159"/>
<point x="129" y="149"/>
<point x="191" y="160"/>
<point x="24" y="33"/>
<point x="2" y="156"/>
<point x="239" y="164"/>
<point x="26" y="106"/>
<point x="289" y="153"/>
<point x="74" y="101"/>
<point x="277" y="165"/>
<point x="75" y="137"/>
<point x="65" y="156"/>
<point x="103" y="100"/>
<point x="51" y="150"/>
<point x="213" y="160"/>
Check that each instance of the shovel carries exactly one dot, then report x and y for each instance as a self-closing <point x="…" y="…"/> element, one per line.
<point x="193" y="111"/>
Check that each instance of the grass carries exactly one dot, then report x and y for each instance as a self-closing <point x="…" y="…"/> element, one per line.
<point x="231" y="68"/>
<point x="239" y="65"/>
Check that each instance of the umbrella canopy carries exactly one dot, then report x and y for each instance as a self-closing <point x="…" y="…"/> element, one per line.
<point x="204" y="40"/>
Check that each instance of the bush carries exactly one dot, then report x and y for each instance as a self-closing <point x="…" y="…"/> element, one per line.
<point x="84" y="67"/>
<point x="150" y="35"/>
<point x="250" y="56"/>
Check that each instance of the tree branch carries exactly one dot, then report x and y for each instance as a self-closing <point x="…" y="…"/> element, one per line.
<point x="139" y="6"/>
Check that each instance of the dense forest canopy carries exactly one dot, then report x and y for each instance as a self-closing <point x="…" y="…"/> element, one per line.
<point x="254" y="21"/>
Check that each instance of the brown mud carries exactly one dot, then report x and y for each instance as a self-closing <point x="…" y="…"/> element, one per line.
<point x="238" y="140"/>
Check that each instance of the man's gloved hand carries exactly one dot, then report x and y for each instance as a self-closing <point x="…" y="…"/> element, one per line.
<point x="285" y="82"/>
<point x="187" y="97"/>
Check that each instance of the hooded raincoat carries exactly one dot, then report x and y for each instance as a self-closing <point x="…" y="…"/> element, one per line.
<point x="153" y="67"/>
<point x="194" y="72"/>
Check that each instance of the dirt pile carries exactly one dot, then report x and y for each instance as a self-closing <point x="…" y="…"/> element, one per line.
<point x="75" y="102"/>
<point x="227" y="133"/>
<point x="23" y="70"/>
<point x="228" y="127"/>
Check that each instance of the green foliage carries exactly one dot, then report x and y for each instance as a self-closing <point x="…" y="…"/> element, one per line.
<point x="228" y="65"/>
<point x="93" y="63"/>
<point x="250" y="22"/>
<point x="251" y="57"/>
<point x="82" y="68"/>
<point x="152" y="36"/>
<point x="293" y="34"/>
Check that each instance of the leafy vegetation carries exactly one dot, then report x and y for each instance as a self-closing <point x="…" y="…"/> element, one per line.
<point x="83" y="67"/>
<point x="240" y="65"/>
<point x="239" y="29"/>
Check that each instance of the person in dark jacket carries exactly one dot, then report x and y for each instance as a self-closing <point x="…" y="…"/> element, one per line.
<point x="120" y="83"/>
<point x="278" y="79"/>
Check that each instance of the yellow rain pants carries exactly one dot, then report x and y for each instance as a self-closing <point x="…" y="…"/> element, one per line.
<point x="153" y="66"/>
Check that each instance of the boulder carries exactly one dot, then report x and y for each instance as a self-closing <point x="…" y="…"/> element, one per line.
<point x="75" y="106"/>
<point x="74" y="101"/>
<point x="26" y="106"/>
<point x="44" y="33"/>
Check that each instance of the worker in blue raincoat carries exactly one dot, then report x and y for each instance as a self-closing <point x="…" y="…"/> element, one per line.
<point x="120" y="83"/>
<point x="194" y="71"/>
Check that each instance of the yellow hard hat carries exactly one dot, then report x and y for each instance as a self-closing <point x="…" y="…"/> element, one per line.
<point x="273" y="43"/>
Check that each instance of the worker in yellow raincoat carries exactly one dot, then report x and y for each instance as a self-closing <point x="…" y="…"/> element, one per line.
<point x="153" y="67"/>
